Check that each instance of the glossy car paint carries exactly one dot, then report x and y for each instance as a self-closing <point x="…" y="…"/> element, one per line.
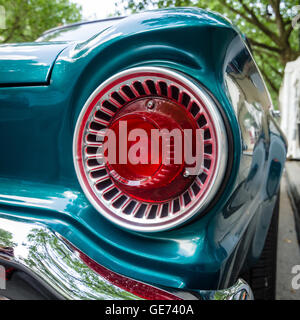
<point x="80" y="31"/>
<point x="29" y="63"/>
<point x="38" y="180"/>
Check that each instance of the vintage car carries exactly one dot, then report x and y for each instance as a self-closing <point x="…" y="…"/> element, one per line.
<point x="74" y="224"/>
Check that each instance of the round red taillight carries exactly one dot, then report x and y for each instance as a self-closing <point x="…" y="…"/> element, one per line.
<point x="151" y="181"/>
<point x="130" y="149"/>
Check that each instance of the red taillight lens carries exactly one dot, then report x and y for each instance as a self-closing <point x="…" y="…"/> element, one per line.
<point x="162" y="179"/>
<point x="131" y="143"/>
<point x="134" y="173"/>
<point x="137" y="288"/>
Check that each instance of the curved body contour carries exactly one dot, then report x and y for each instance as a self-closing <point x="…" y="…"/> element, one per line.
<point x="39" y="110"/>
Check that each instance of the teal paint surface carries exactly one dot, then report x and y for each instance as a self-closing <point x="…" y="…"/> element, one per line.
<point x="27" y="63"/>
<point x="38" y="178"/>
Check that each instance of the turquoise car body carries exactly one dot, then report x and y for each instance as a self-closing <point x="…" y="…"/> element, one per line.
<point x="43" y="87"/>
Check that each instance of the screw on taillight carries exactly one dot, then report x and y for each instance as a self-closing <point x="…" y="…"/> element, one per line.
<point x="167" y="143"/>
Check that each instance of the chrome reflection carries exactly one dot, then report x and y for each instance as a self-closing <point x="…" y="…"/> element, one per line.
<point x="55" y="263"/>
<point x="50" y="259"/>
<point x="248" y="94"/>
<point x="239" y="291"/>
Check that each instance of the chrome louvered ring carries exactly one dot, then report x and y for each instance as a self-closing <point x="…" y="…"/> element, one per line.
<point x="107" y="198"/>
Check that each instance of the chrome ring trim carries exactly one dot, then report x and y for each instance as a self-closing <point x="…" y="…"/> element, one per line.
<point x="221" y="163"/>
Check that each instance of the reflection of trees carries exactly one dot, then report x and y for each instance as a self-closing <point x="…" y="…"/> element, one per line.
<point x="6" y="239"/>
<point x="52" y="258"/>
<point x="237" y="292"/>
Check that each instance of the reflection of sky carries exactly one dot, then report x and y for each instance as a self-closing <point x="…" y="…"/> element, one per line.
<point x="187" y="248"/>
<point x="19" y="233"/>
<point x="78" y="33"/>
<point x="96" y="9"/>
<point x="42" y="252"/>
<point x="27" y="63"/>
<point x="17" y="57"/>
<point x="16" y="199"/>
<point x="59" y="200"/>
<point x="26" y="49"/>
<point x="26" y="53"/>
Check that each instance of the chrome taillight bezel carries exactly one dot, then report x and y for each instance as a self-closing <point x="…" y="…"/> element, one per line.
<point x="86" y="117"/>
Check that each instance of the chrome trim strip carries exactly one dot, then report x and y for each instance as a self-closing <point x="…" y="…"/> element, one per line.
<point x="239" y="291"/>
<point x="58" y="267"/>
<point x="48" y="258"/>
